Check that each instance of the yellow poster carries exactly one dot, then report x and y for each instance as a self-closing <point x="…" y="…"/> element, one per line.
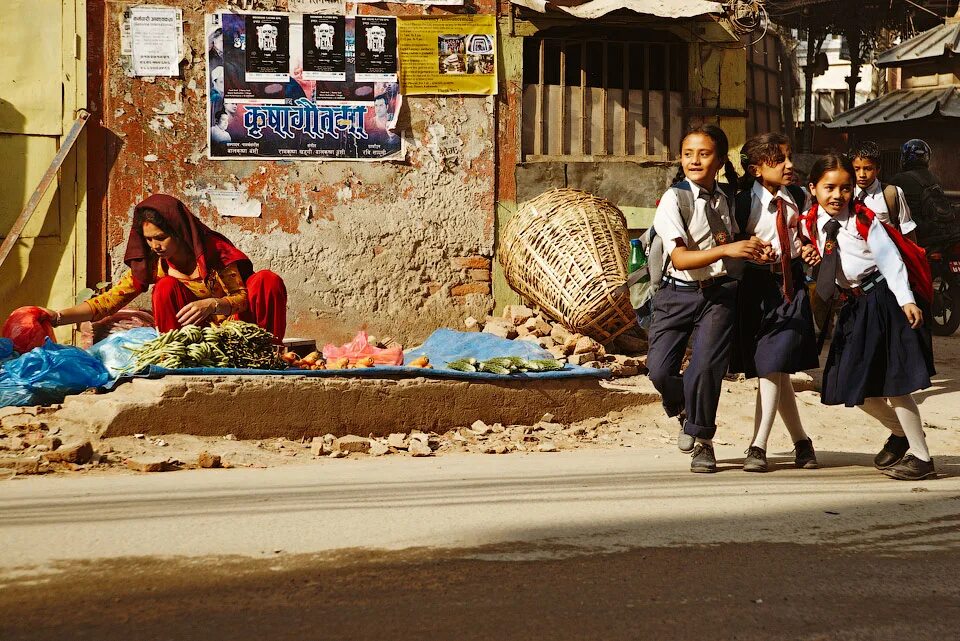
<point x="448" y="55"/>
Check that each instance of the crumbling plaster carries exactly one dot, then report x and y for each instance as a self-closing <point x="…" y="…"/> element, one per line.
<point x="358" y="244"/>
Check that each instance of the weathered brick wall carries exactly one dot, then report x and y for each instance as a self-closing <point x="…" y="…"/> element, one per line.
<point x="401" y="248"/>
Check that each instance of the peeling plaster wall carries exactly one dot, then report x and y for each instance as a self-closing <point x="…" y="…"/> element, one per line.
<point x="398" y="248"/>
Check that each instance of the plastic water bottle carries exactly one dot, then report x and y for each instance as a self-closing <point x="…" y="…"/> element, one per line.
<point x="638" y="260"/>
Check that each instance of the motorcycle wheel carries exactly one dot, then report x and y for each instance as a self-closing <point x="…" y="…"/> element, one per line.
<point x="945" y="311"/>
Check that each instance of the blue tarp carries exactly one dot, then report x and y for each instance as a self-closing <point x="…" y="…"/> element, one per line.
<point x="442" y="347"/>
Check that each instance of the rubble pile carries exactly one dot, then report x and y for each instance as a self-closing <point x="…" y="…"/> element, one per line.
<point x="28" y="445"/>
<point x="625" y="356"/>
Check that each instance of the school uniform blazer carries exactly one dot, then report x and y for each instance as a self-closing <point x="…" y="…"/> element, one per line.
<point x="873" y="198"/>
<point x="860" y="258"/>
<point x="692" y="228"/>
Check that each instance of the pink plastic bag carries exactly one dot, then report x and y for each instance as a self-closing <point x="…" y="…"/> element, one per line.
<point x="27" y="327"/>
<point x="359" y="348"/>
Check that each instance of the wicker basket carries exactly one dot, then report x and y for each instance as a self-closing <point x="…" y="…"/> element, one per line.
<point x="566" y="251"/>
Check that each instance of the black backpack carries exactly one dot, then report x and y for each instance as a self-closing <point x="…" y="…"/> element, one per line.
<point x="938" y="221"/>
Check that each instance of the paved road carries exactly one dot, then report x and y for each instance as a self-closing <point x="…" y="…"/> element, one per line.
<point x="588" y="544"/>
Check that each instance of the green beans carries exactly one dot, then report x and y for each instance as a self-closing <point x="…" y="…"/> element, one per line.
<point x="505" y="365"/>
<point x="230" y="344"/>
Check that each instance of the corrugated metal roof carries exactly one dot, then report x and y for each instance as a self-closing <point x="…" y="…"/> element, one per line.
<point x="597" y="8"/>
<point x="933" y="43"/>
<point x="901" y="105"/>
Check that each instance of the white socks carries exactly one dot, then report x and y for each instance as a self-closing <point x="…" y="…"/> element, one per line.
<point x="775" y="393"/>
<point x="902" y="417"/>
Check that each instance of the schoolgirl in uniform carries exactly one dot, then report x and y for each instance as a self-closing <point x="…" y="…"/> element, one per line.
<point x="881" y="351"/>
<point x="698" y="292"/>
<point x="774" y="330"/>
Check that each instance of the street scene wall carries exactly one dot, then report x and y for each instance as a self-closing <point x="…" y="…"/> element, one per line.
<point x="398" y="248"/>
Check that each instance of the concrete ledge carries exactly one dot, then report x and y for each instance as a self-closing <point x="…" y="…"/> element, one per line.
<point x="253" y="407"/>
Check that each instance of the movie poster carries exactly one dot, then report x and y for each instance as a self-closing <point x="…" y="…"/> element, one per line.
<point x="448" y="55"/>
<point x="301" y="118"/>
<point x="376" y="48"/>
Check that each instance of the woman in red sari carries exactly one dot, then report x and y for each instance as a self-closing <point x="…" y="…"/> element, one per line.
<point x="198" y="276"/>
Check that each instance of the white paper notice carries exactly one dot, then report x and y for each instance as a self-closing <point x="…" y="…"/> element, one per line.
<point x="155" y="35"/>
<point x="326" y="7"/>
<point x="228" y="202"/>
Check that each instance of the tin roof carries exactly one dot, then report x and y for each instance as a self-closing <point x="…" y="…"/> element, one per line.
<point x="597" y="8"/>
<point x="940" y="41"/>
<point x="901" y="105"/>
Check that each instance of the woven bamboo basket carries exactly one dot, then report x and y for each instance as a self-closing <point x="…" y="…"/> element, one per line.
<point x="566" y="252"/>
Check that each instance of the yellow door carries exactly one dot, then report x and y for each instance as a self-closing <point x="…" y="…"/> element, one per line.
<point x="42" y="84"/>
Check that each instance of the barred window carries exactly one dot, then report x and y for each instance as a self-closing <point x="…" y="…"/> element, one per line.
<point x="765" y="87"/>
<point x="613" y="96"/>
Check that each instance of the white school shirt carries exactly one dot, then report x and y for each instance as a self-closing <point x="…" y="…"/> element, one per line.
<point x="860" y="258"/>
<point x="762" y="222"/>
<point x="696" y="236"/>
<point x="875" y="202"/>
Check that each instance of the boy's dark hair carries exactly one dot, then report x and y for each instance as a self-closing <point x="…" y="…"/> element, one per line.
<point x="721" y="142"/>
<point x="830" y="162"/>
<point x="763" y="149"/>
<point x="867" y="150"/>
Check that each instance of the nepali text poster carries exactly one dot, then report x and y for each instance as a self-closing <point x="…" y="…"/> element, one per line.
<point x="154" y="40"/>
<point x="375" y="47"/>
<point x="300" y="119"/>
<point x="448" y="55"/>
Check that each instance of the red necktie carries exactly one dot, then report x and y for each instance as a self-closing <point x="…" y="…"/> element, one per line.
<point x="786" y="249"/>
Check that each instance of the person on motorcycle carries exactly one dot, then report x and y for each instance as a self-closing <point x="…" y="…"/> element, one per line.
<point x="915" y="175"/>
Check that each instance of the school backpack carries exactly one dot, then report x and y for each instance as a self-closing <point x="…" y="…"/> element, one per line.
<point x="657" y="258"/>
<point x="914" y="257"/>
<point x="937" y="224"/>
<point x="744" y="203"/>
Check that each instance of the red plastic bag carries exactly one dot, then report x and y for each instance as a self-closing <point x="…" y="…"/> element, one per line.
<point x="360" y="347"/>
<point x="27" y="327"/>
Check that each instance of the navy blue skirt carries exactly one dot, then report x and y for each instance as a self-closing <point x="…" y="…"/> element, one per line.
<point x="773" y="335"/>
<point x="875" y="352"/>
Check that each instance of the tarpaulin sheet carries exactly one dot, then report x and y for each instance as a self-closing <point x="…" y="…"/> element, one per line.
<point x="442" y="347"/>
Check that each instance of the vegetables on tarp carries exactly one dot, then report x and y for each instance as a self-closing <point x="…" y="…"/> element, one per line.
<point x="360" y="348"/>
<point x="51" y="372"/>
<point x="116" y="351"/>
<point x="28" y="327"/>
<point x="232" y="343"/>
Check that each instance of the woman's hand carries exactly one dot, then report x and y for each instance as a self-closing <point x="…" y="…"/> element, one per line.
<point x="810" y="255"/>
<point x="914" y="315"/>
<point x="753" y="249"/>
<point x="195" y="312"/>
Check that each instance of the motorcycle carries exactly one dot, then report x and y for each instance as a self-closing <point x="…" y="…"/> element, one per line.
<point x="945" y="269"/>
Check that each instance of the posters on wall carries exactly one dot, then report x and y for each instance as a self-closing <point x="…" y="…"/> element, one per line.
<point x="302" y="92"/>
<point x="448" y="55"/>
<point x="153" y="37"/>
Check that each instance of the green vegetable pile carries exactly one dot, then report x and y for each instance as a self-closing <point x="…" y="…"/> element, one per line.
<point x="506" y="365"/>
<point x="231" y="344"/>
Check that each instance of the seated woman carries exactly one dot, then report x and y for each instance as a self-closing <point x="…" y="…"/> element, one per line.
<point x="198" y="276"/>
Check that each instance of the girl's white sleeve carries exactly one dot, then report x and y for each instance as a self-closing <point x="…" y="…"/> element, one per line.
<point x="668" y="222"/>
<point x="890" y="263"/>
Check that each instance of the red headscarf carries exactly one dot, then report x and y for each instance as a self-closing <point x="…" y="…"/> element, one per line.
<point x="212" y="250"/>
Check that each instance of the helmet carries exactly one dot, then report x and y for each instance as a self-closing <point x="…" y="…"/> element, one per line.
<point x="915" y="152"/>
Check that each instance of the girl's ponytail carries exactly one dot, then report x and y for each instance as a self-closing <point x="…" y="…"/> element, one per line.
<point x="730" y="173"/>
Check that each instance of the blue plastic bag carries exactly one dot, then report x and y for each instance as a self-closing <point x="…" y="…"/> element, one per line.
<point x="53" y="371"/>
<point x="6" y="350"/>
<point x="13" y="394"/>
<point x="116" y="350"/>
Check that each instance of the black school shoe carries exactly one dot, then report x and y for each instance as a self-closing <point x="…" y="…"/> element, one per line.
<point x="893" y="450"/>
<point x="756" y="460"/>
<point x="805" y="457"/>
<point x="910" y="468"/>
<point x="703" y="460"/>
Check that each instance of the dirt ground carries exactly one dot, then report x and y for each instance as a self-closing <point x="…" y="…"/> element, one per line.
<point x="832" y="428"/>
